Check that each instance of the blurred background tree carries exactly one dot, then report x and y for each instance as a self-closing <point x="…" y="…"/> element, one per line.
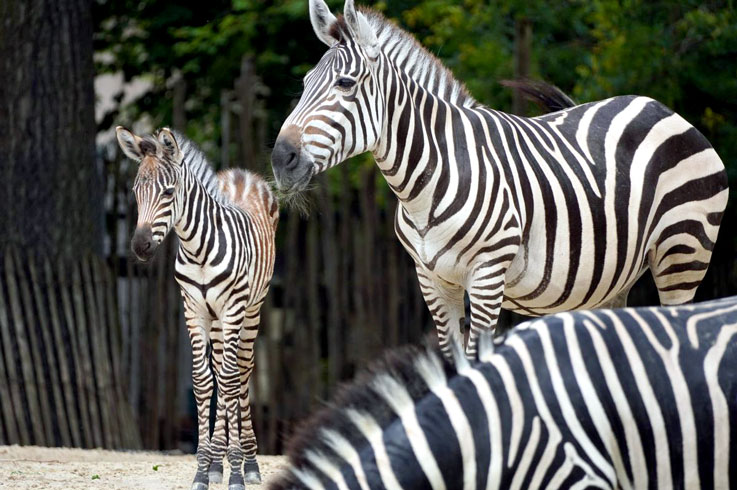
<point x="47" y="129"/>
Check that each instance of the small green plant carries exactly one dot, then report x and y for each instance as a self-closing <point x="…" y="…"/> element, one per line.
<point x="156" y="467"/>
<point x="95" y="477"/>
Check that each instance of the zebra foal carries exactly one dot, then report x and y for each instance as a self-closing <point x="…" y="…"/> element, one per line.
<point x="629" y="398"/>
<point x="226" y="225"/>
<point x="536" y="215"/>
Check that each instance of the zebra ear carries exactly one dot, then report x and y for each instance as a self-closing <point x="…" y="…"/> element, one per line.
<point x="169" y="142"/>
<point x="322" y="20"/>
<point x="361" y="29"/>
<point x="129" y="143"/>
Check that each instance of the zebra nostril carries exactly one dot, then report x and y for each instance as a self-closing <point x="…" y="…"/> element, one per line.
<point x="291" y="160"/>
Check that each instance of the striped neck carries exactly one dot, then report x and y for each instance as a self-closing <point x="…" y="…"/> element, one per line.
<point x="197" y="208"/>
<point x="409" y="153"/>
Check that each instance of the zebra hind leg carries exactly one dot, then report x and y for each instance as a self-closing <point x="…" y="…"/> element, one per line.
<point x="229" y="386"/>
<point x="219" y="442"/>
<point x="251" y="472"/>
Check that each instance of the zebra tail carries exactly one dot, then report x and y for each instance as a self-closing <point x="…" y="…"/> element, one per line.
<point x="549" y="97"/>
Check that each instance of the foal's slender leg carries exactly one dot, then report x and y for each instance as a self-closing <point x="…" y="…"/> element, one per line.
<point x="246" y="341"/>
<point x="202" y="386"/>
<point x="229" y="389"/>
<point x="219" y="437"/>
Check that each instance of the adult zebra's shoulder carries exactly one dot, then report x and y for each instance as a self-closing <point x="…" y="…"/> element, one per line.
<point x="629" y="398"/>
<point x="225" y="224"/>
<point x="537" y="215"/>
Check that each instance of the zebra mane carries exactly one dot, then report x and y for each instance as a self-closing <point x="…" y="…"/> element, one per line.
<point x="415" y="60"/>
<point x="198" y="164"/>
<point x="323" y="435"/>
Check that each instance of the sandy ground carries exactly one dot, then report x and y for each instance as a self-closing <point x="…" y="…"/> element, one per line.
<point x="41" y="468"/>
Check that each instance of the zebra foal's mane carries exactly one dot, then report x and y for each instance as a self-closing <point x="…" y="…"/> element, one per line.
<point x="405" y="52"/>
<point x="197" y="162"/>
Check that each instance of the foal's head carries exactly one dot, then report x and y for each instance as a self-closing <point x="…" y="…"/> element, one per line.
<point x="158" y="186"/>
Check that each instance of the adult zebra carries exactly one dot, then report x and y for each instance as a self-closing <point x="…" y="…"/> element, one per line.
<point x="629" y="398"/>
<point x="226" y="225"/>
<point x="536" y="215"/>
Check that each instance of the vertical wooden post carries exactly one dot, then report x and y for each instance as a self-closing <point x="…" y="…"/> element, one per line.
<point x="25" y="353"/>
<point x="52" y="351"/>
<point x="225" y="101"/>
<point x="244" y="88"/>
<point x="522" y="51"/>
<point x="12" y="401"/>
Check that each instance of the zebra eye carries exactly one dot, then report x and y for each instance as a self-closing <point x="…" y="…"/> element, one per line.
<point x="169" y="191"/>
<point x="345" y="83"/>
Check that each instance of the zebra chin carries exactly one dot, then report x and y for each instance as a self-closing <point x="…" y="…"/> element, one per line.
<point x="293" y="182"/>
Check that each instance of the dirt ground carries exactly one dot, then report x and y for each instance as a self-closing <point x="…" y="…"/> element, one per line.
<point x="53" y="468"/>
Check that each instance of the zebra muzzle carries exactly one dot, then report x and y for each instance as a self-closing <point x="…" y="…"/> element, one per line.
<point x="142" y="243"/>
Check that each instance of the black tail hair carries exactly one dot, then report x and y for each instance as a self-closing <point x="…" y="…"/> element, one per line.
<point x="547" y="96"/>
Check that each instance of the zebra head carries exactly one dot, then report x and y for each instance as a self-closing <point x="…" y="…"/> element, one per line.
<point x="157" y="187"/>
<point x="341" y="110"/>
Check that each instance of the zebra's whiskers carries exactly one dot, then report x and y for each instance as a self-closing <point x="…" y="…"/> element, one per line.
<point x="300" y="201"/>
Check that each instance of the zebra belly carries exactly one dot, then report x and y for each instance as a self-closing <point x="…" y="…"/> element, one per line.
<point x="531" y="290"/>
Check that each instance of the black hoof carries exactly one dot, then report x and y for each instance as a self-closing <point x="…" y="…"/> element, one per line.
<point x="236" y="482"/>
<point x="200" y="482"/>
<point x="251" y="473"/>
<point x="215" y="473"/>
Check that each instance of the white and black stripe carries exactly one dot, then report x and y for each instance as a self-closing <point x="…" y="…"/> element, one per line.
<point x="536" y="215"/>
<point x="630" y="398"/>
<point x="226" y="225"/>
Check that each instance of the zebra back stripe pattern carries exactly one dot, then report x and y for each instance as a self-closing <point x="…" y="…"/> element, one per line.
<point x="630" y="398"/>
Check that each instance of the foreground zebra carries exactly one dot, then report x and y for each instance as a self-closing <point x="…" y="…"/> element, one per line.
<point x="630" y="398"/>
<point x="536" y="215"/>
<point x="226" y="225"/>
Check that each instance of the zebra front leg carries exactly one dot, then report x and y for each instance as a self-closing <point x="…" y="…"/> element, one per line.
<point x="246" y="342"/>
<point x="445" y="302"/>
<point x="202" y="385"/>
<point x="219" y="436"/>
<point x="486" y="294"/>
<point x="229" y="387"/>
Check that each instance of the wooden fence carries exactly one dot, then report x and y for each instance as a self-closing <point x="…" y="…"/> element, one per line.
<point x="60" y="382"/>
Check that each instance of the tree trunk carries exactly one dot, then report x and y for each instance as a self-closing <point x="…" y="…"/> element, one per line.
<point x="51" y="189"/>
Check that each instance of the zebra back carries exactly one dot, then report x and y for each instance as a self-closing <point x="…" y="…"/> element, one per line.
<point x="611" y="398"/>
<point x="250" y="192"/>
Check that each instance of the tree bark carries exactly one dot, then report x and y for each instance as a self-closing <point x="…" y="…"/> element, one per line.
<point x="50" y="193"/>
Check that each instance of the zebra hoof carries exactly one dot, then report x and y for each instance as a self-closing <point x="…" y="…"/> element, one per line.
<point x="252" y="477"/>
<point x="199" y="486"/>
<point x="236" y="482"/>
<point x="215" y="473"/>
